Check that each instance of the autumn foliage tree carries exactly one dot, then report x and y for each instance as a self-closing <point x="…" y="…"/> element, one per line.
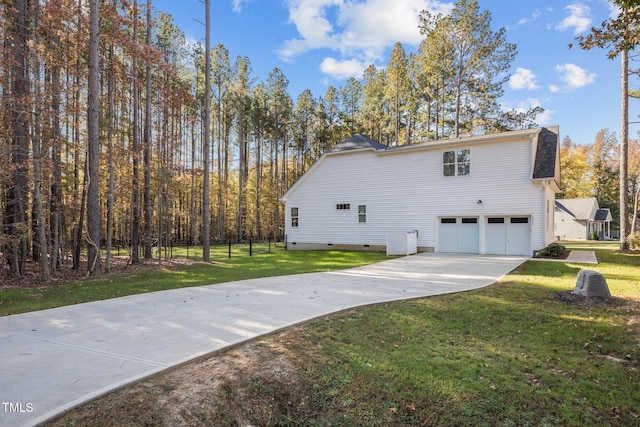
<point x="117" y="140"/>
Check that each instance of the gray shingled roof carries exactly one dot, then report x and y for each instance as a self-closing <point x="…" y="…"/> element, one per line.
<point x="545" y="164"/>
<point x="579" y="208"/>
<point x="357" y="142"/>
<point x="562" y="207"/>
<point x="602" y="215"/>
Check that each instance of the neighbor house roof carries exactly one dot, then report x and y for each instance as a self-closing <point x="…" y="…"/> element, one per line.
<point x="581" y="209"/>
<point x="357" y="142"/>
<point x="603" y="215"/>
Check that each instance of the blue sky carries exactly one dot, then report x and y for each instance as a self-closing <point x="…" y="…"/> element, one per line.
<point x="318" y="43"/>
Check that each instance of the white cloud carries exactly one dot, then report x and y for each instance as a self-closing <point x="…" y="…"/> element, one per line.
<point x="534" y="17"/>
<point x="554" y="88"/>
<point x="237" y="5"/>
<point x="342" y="69"/>
<point x="543" y="119"/>
<point x="575" y="76"/>
<point x="359" y="30"/>
<point x="523" y="79"/>
<point x="578" y="18"/>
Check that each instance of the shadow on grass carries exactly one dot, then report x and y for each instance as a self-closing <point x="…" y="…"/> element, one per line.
<point x="508" y="354"/>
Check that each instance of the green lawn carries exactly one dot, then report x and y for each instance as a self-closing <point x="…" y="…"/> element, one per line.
<point x="509" y="354"/>
<point x="158" y="276"/>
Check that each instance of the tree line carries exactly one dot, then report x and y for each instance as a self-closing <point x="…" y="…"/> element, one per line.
<point x="105" y="124"/>
<point x="593" y="170"/>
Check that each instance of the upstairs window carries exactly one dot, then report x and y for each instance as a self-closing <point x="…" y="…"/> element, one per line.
<point x="343" y="206"/>
<point x="456" y="163"/>
<point x="294" y="217"/>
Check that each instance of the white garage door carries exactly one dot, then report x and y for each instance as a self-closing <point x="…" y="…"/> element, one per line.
<point x="459" y="234"/>
<point x="508" y="235"/>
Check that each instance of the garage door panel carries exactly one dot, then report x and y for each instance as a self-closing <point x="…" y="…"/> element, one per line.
<point x="469" y="236"/>
<point x="448" y="235"/>
<point x="458" y="235"/>
<point x="519" y="236"/>
<point x="495" y="236"/>
<point x="508" y="235"/>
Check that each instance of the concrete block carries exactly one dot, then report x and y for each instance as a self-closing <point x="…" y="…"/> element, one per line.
<point x="591" y="284"/>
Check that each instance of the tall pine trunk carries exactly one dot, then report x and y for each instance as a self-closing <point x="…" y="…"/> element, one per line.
<point x="147" y="148"/>
<point x="40" y="243"/>
<point x="94" y="216"/>
<point x="135" y="197"/>
<point x="206" y="217"/>
<point x="15" y="207"/>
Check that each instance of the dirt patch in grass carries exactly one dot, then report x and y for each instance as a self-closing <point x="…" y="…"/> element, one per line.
<point x="574" y="299"/>
<point x="253" y="384"/>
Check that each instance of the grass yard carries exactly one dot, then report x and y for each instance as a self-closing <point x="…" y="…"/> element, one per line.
<point x="156" y="276"/>
<point x="511" y="354"/>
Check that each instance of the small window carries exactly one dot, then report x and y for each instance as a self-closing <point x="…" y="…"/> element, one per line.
<point x="294" y="217"/>
<point x="343" y="206"/>
<point x="519" y="220"/>
<point x="456" y="163"/>
<point x="447" y="220"/>
<point x="469" y="220"/>
<point x="362" y="213"/>
<point x="495" y="220"/>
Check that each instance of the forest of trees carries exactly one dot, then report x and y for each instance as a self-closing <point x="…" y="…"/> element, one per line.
<point x="103" y="117"/>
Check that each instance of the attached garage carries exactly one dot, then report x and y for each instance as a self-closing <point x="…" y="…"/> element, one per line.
<point x="505" y="235"/>
<point x="459" y="234"/>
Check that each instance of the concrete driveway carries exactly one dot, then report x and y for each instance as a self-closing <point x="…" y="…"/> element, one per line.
<point x="53" y="360"/>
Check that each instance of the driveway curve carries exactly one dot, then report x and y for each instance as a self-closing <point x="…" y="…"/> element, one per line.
<point x="53" y="360"/>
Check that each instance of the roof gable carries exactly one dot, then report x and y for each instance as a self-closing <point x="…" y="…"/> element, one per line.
<point x="580" y="209"/>
<point x="603" y="215"/>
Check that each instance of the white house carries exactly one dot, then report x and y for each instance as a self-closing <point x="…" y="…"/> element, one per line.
<point x="581" y="219"/>
<point x="490" y="194"/>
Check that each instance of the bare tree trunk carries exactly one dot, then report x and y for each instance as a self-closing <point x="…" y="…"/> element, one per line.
<point x="15" y="210"/>
<point x="634" y="220"/>
<point x="147" y="148"/>
<point x="192" y="207"/>
<point x="42" y="246"/>
<point x="93" y="153"/>
<point x="55" y="204"/>
<point x="258" y="183"/>
<point x="110" y="196"/>
<point x="135" y="197"/>
<point x="624" y="152"/>
<point x="77" y="243"/>
<point x="206" y="229"/>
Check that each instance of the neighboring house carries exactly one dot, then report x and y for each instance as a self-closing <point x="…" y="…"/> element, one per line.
<point x="490" y="194"/>
<point x="581" y="219"/>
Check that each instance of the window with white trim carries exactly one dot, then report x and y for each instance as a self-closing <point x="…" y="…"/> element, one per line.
<point x="343" y="206"/>
<point x="362" y="213"/>
<point x="294" y="217"/>
<point x="456" y="163"/>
